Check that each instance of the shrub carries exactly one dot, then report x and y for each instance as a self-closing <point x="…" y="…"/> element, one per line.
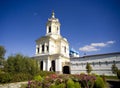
<point x="62" y="85"/>
<point x="21" y="77"/>
<point x="5" y="77"/>
<point x="45" y="73"/>
<point x="99" y="83"/>
<point x="52" y="86"/>
<point x="38" y="78"/>
<point x="118" y="74"/>
<point x="77" y="85"/>
<point x="70" y="83"/>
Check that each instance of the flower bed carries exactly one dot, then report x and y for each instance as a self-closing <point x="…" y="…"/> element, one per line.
<point x="67" y="81"/>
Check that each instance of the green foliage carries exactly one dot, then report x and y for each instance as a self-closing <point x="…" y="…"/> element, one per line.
<point x="2" y="52"/>
<point x="99" y="83"/>
<point x="45" y="73"/>
<point x="88" y="68"/>
<point x="21" y="77"/>
<point x="38" y="78"/>
<point x="70" y="83"/>
<point x="77" y="85"/>
<point x="5" y="77"/>
<point x="52" y="86"/>
<point x="21" y="64"/>
<point x="118" y="74"/>
<point x="62" y="85"/>
<point x="114" y="69"/>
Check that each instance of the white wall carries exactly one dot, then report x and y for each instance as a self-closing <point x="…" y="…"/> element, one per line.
<point x="78" y="65"/>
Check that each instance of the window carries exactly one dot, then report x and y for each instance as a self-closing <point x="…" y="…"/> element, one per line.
<point x="47" y="48"/>
<point x="38" y="50"/>
<point x="114" y="62"/>
<point x="43" y="48"/>
<point x="106" y="62"/>
<point x="99" y="63"/>
<point x="57" y="29"/>
<point x="65" y="49"/>
<point x="49" y="29"/>
<point x="41" y="65"/>
<point x="53" y="65"/>
<point x="93" y="63"/>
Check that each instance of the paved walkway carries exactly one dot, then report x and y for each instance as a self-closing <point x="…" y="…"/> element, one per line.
<point x="13" y="85"/>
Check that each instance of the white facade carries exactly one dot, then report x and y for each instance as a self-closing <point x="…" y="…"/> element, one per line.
<point x="101" y="64"/>
<point x="52" y="50"/>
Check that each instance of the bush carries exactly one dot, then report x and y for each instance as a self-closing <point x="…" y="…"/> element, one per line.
<point x="118" y="74"/>
<point x="99" y="83"/>
<point x="45" y="73"/>
<point x="70" y="83"/>
<point x="62" y="85"/>
<point x="77" y="85"/>
<point x="5" y="77"/>
<point x="38" y="78"/>
<point x="21" y="77"/>
<point x="52" y="86"/>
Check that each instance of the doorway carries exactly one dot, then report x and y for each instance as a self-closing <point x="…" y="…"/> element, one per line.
<point x="66" y="70"/>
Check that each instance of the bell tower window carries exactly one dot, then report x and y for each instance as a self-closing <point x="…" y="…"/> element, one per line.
<point x="43" y="48"/>
<point x="49" y="30"/>
<point x="65" y="49"/>
<point x="47" y="48"/>
<point x="38" y="50"/>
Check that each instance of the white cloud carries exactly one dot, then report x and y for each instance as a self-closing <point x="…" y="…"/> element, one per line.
<point x="95" y="46"/>
<point x="88" y="48"/>
<point x="98" y="44"/>
<point x="110" y="42"/>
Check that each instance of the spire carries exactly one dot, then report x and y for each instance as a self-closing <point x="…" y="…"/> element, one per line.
<point x="53" y="14"/>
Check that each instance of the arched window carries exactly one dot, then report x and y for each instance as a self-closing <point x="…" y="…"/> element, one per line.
<point x="57" y="29"/>
<point x="43" y="48"/>
<point x="65" y="49"/>
<point x="41" y="65"/>
<point x="38" y="50"/>
<point x="49" y="29"/>
<point x="53" y="65"/>
<point x="47" y="48"/>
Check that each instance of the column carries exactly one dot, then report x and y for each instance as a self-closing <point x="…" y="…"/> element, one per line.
<point x="44" y="65"/>
<point x="40" y="48"/>
<point x="48" y="64"/>
<point x="58" y="66"/>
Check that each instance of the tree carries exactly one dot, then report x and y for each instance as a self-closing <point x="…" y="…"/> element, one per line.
<point x="2" y="52"/>
<point x="88" y="68"/>
<point x="114" y="69"/>
<point x="21" y="64"/>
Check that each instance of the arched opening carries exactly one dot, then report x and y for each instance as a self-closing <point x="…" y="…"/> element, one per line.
<point x="43" y="48"/>
<point x="53" y="65"/>
<point x="49" y="29"/>
<point x="66" y="70"/>
<point x="41" y="65"/>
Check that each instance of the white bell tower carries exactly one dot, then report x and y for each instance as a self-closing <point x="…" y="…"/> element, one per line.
<point x="53" y="27"/>
<point x="52" y="50"/>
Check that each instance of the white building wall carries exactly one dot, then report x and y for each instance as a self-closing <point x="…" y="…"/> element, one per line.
<point x="101" y="64"/>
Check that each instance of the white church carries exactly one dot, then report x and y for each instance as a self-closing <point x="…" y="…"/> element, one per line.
<point x="53" y="54"/>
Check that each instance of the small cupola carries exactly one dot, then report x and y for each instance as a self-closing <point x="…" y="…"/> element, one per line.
<point x="53" y="26"/>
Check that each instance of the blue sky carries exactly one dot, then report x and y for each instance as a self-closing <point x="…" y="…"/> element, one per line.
<point x="90" y="26"/>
